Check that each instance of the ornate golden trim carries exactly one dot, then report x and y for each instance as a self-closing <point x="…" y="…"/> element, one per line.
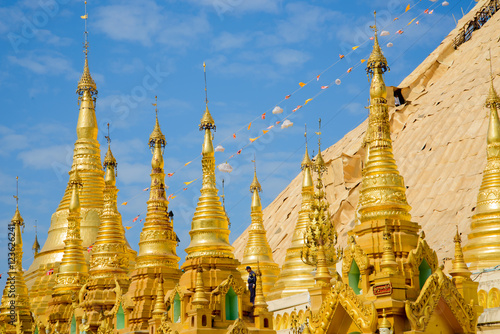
<point x="354" y="252"/>
<point x="364" y="316"/>
<point x="223" y="288"/>
<point x="423" y="251"/>
<point x="436" y="287"/>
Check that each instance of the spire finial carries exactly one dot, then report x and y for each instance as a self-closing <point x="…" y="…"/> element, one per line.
<point x="223" y="196"/>
<point x="156" y="106"/>
<point x="205" y="73"/>
<point x="255" y="185"/>
<point x="320" y="163"/>
<point x="156" y="137"/>
<point x="108" y="138"/>
<point x="16" y="196"/>
<point x="493" y="100"/>
<point x="377" y="59"/>
<point x="86" y="33"/>
<point x="207" y="121"/>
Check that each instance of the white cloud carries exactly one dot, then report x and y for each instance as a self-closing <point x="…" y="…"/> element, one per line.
<point x="222" y="7"/>
<point x="148" y="23"/>
<point x="227" y="41"/>
<point x="46" y="64"/>
<point x="290" y="57"/>
<point x="57" y="157"/>
<point x="131" y="173"/>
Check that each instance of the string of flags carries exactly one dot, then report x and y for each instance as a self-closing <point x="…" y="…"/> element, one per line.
<point x="277" y="109"/>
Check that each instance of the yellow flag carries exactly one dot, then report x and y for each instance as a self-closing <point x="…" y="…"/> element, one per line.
<point x="254" y="139"/>
<point x="86" y="16"/>
<point x="301" y="84"/>
<point x="124" y="203"/>
<point x="412" y="21"/>
<point x="128" y="227"/>
<point x="188" y="183"/>
<point x="355" y="47"/>
<point x="249" y="125"/>
<point x="307" y="101"/>
<point x="407" y="8"/>
<point x="265" y="131"/>
<point x="187" y="163"/>
<point x="363" y="60"/>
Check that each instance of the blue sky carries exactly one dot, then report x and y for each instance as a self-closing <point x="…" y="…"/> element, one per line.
<point x="256" y="53"/>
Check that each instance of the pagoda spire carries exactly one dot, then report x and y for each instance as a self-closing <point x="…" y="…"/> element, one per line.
<point x="459" y="267"/>
<point x="158" y="241"/>
<point x="382" y="187"/>
<point x="87" y="160"/>
<point x="257" y="249"/>
<point x="73" y="271"/>
<point x="384" y="229"/>
<point x="109" y="258"/>
<point x="209" y="227"/>
<point x="483" y="247"/>
<point x="296" y="276"/>
<point x="16" y="291"/>
<point x="36" y="244"/>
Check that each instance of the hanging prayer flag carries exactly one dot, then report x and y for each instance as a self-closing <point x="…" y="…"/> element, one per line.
<point x="324" y="87"/>
<point x="355" y="47"/>
<point x="239" y="151"/>
<point x="86" y="16"/>
<point x="145" y="189"/>
<point x="277" y="110"/>
<point x="50" y="272"/>
<point x="371" y="38"/>
<point x="317" y="78"/>
<point x="170" y="196"/>
<point x="89" y="248"/>
<point x="385" y="33"/>
<point x="184" y="189"/>
<point x="426" y="11"/>
<point x="219" y="148"/>
<point x="128" y="227"/>
<point x="265" y="131"/>
<point x="363" y="60"/>
<point x="411" y="21"/>
<point x="298" y="107"/>
<point x="390" y="45"/>
<point x="445" y="3"/>
<point x="263" y="116"/>
<point x="170" y="174"/>
<point x="287" y="97"/>
<point x="396" y="18"/>
<point x="234" y="135"/>
<point x="307" y="101"/>
<point x="135" y="219"/>
<point x="124" y="203"/>
<point x="301" y="84"/>
<point x="418" y="22"/>
<point x="337" y="82"/>
<point x="349" y="70"/>
<point x="249" y="125"/>
<point x="140" y="221"/>
<point x="187" y="163"/>
<point x="278" y="122"/>
<point x="407" y="8"/>
<point x="400" y="31"/>
<point x="231" y="156"/>
<point x="189" y="182"/>
<point x="341" y="56"/>
<point x="432" y="11"/>
<point x="254" y="139"/>
<point x="270" y="127"/>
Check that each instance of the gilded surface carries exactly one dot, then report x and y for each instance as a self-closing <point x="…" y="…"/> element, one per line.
<point x="436" y="287"/>
<point x="341" y="295"/>
<point x="483" y="247"/>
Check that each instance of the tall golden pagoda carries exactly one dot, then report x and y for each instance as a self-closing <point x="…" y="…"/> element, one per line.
<point x="73" y="270"/>
<point x="211" y="296"/>
<point x="296" y="276"/>
<point x="15" y="311"/>
<point x="87" y="160"/>
<point x="109" y="261"/>
<point x="483" y="247"/>
<point x="257" y="250"/>
<point x="158" y="241"/>
<point x="391" y="279"/>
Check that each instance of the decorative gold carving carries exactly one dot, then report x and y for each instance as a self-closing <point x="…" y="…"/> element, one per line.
<point x="117" y="261"/>
<point x="238" y="327"/>
<point x="415" y="257"/>
<point x="354" y="252"/>
<point x="436" y="287"/>
<point x="165" y="327"/>
<point x="493" y="298"/>
<point x="365" y="317"/>
<point x="229" y="282"/>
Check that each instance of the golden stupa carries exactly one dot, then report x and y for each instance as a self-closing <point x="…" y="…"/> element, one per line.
<point x="87" y="279"/>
